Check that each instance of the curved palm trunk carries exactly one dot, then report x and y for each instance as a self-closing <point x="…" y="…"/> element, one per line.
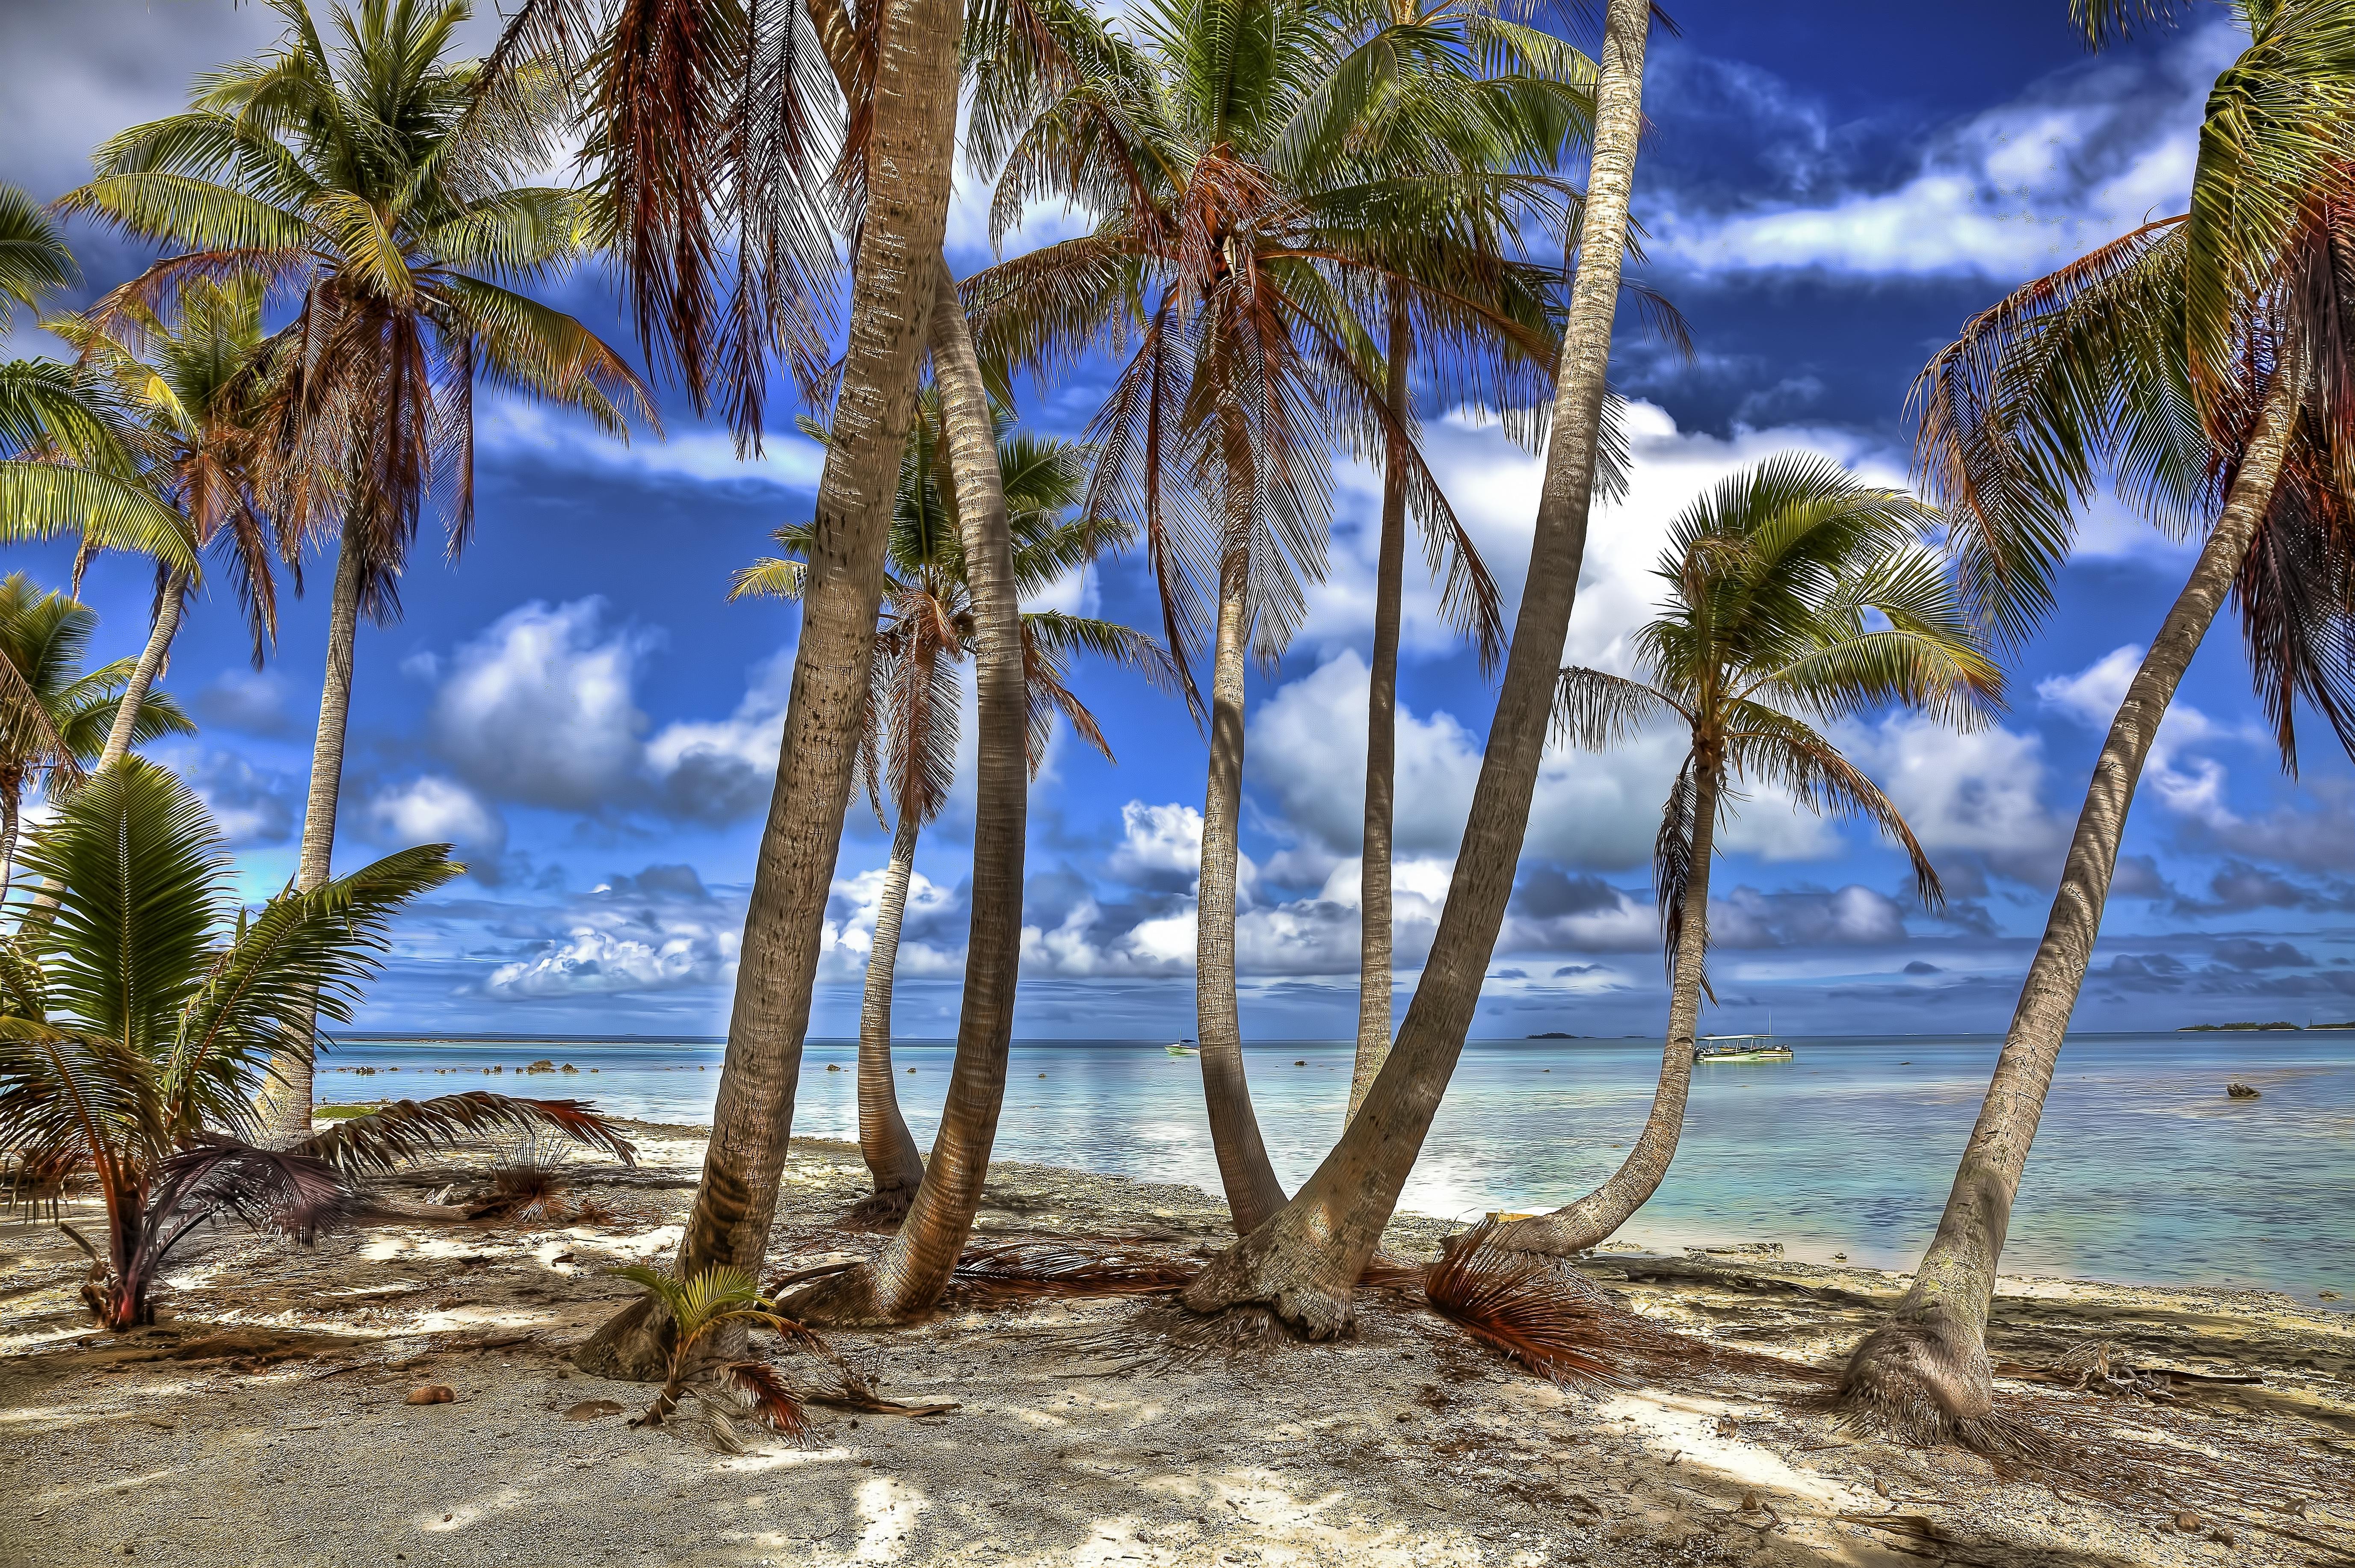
<point x="1305" y="1264"/>
<point x="1925" y="1371"/>
<point x="1253" y="1194"/>
<point x="1592" y="1219"/>
<point x="143" y="675"/>
<point x="285" y="1102"/>
<point x="884" y="1141"/>
<point x="1381" y="739"/>
<point x="915" y="1268"/>
<point x="894" y="282"/>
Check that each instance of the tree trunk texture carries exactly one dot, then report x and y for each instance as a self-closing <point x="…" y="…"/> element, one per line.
<point x="1305" y="1263"/>
<point x="143" y="675"/>
<point x="1381" y="739"/>
<point x="894" y="284"/>
<point x="1592" y="1220"/>
<point x="889" y="1148"/>
<point x="12" y="790"/>
<point x="285" y="1102"/>
<point x="916" y="1266"/>
<point x="1253" y="1191"/>
<point x="1925" y="1373"/>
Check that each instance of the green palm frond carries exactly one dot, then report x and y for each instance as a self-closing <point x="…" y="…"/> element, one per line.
<point x="34" y="260"/>
<point x="65" y="1091"/>
<point x="142" y="885"/>
<point x="407" y="1130"/>
<point x="304" y="955"/>
<point x="768" y="577"/>
<point x="1595" y="710"/>
<point x="41" y="500"/>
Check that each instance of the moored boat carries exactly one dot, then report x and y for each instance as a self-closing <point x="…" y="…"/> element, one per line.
<point x="1739" y="1048"/>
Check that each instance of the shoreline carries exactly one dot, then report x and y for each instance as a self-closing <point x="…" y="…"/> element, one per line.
<point x="264" y="1418"/>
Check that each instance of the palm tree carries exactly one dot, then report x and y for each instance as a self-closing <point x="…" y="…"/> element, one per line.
<point x="1798" y="596"/>
<point x="910" y="745"/>
<point x="192" y="385"/>
<point x="2200" y="359"/>
<point x="1253" y="202"/>
<point x="44" y="637"/>
<point x="1305" y="1264"/>
<point x="135" y="1026"/>
<point x="1526" y="98"/>
<point x="698" y="122"/>
<point x="378" y="182"/>
<point x="67" y="457"/>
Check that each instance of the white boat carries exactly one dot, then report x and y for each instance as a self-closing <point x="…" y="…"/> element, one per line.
<point x="1739" y="1048"/>
<point x="1181" y="1048"/>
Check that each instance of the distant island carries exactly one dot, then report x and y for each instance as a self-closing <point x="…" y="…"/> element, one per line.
<point x="1550" y="1034"/>
<point x="2228" y="1028"/>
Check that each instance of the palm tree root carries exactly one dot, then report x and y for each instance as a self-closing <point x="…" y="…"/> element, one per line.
<point x="1925" y="1380"/>
<point x="882" y="1209"/>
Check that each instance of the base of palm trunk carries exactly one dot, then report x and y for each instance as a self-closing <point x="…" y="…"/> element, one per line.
<point x="882" y="1209"/>
<point x="1925" y="1380"/>
<point x="1308" y="1289"/>
<point x="632" y="1346"/>
<point x="845" y="1300"/>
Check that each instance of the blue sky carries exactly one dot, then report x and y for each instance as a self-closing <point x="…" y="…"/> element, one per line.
<point x="1828" y="191"/>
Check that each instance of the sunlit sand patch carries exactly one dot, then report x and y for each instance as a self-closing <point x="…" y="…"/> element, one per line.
<point x="889" y="1508"/>
<point x="1687" y="1430"/>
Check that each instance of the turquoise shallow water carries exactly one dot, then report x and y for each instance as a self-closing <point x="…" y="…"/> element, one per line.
<point x="2144" y="1172"/>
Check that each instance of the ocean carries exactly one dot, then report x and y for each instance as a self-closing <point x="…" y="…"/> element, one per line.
<point x="2144" y="1171"/>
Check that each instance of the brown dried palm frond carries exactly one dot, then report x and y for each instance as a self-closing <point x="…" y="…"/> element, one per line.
<point x="1546" y="1318"/>
<point x="529" y="1184"/>
<point x="1385" y="1273"/>
<point x="881" y="1211"/>
<point x="769" y="1399"/>
<point x="1078" y="1267"/>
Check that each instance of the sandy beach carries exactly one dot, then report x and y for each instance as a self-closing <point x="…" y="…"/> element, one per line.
<point x="263" y="1420"/>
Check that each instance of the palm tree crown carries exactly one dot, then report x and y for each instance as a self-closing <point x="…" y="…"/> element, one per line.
<point x="373" y="182"/>
<point x="1262" y="178"/>
<point x="1797" y="598"/>
<point x="927" y="618"/>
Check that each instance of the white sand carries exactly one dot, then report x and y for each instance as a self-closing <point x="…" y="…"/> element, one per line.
<point x="264" y="1423"/>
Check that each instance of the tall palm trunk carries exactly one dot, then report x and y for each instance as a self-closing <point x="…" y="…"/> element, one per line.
<point x="285" y="1099"/>
<point x="1381" y="736"/>
<point x="143" y="675"/>
<point x="1305" y="1264"/>
<point x="1593" y="1218"/>
<point x="11" y="792"/>
<point x="894" y="282"/>
<point x="889" y="1148"/>
<point x="915" y="1268"/>
<point x="1925" y="1371"/>
<point x="1253" y="1194"/>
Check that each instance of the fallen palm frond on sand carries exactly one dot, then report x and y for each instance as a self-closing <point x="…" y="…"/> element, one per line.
<point x="1079" y="1266"/>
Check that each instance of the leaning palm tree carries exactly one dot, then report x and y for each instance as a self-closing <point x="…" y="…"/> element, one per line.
<point x="378" y="182"/>
<point x="1305" y="1264"/>
<point x="2203" y="361"/>
<point x="910" y="745"/>
<point x="1797" y="597"/>
<point x="136" y="1024"/>
<point x="700" y="127"/>
<point x="69" y="462"/>
<point x="44" y="637"/>
<point x="193" y="383"/>
<point x="1252" y="204"/>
